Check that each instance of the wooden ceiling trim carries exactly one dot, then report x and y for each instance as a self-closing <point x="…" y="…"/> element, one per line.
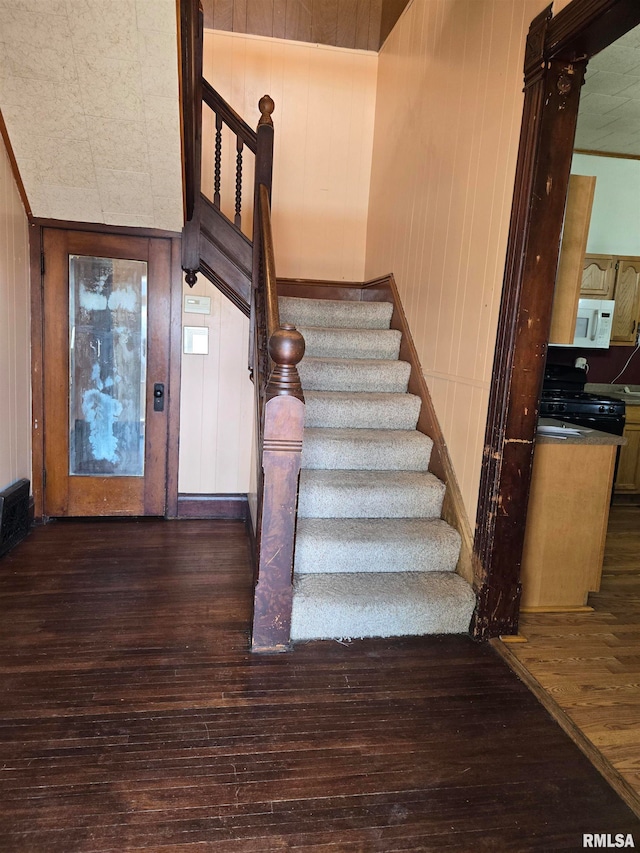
<point x="356" y="24"/>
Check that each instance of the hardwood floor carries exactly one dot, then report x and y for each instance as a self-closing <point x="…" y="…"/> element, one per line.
<point x="588" y="664"/>
<point x="134" y="718"/>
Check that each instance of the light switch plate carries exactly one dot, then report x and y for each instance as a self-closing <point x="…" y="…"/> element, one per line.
<point x="197" y="304"/>
<point x="195" y="340"/>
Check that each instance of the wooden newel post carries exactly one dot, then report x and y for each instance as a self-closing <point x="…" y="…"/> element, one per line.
<point x="281" y="452"/>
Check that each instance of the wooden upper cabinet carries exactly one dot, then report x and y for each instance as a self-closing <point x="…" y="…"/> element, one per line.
<point x="598" y="277"/>
<point x="627" y="297"/>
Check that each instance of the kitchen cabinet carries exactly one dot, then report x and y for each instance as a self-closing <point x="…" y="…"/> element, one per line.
<point x="627" y="297"/>
<point x="598" y="277"/>
<point x="618" y="278"/>
<point x="566" y="522"/>
<point x="628" y="477"/>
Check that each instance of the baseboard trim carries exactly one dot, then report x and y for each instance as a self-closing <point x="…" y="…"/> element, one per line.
<point x="213" y="506"/>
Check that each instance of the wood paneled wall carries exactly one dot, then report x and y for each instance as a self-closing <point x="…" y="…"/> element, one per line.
<point x="360" y="24"/>
<point x="15" y="344"/>
<point x="216" y="402"/>
<point x="449" y="105"/>
<point x="325" y="107"/>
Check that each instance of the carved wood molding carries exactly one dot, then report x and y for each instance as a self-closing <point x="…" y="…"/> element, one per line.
<point x="585" y="27"/>
<point x="544" y="159"/>
<point x="534" y="49"/>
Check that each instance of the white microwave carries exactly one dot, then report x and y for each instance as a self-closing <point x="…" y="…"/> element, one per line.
<point x="593" y="324"/>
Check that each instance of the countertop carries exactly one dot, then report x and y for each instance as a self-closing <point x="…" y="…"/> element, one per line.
<point x="588" y="436"/>
<point x="617" y="391"/>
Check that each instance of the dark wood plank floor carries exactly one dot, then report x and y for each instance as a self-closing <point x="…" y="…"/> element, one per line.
<point x="134" y="718"/>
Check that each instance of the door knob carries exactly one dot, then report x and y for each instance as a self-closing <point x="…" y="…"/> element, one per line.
<point x="158" y="397"/>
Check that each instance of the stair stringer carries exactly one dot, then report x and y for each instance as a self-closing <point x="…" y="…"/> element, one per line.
<point x="225" y="255"/>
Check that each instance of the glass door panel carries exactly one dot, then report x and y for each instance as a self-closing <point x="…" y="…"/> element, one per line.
<point x="107" y="366"/>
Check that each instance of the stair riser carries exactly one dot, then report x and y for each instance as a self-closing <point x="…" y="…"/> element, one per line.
<point x="343" y="376"/>
<point x="333" y="557"/>
<point x="317" y="500"/>
<point x="398" y="412"/>
<point x="326" y="453"/>
<point x="394" y="606"/>
<point x="330" y="313"/>
<point x="349" y="343"/>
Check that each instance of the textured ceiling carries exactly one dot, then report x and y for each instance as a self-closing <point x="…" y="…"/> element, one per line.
<point x="609" y="118"/>
<point x="89" y="96"/>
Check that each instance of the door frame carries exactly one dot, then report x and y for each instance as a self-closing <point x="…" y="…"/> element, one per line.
<point x="556" y="54"/>
<point x="36" y="230"/>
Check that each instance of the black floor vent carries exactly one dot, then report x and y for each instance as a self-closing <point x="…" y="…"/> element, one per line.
<point x="14" y="515"/>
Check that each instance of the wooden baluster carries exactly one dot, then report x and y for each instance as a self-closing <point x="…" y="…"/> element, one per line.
<point x="217" y="162"/>
<point x="238" y="218"/>
<point x="281" y="453"/>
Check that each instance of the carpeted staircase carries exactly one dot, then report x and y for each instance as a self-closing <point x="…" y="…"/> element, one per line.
<point x="373" y="557"/>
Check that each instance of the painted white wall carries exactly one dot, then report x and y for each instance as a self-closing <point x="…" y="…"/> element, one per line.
<point x="448" y="113"/>
<point x="325" y="105"/>
<point x="15" y="343"/>
<point x="615" y="217"/>
<point x="216" y="401"/>
<point x="325" y="102"/>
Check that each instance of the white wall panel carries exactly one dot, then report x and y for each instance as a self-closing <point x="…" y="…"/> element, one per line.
<point x="448" y="112"/>
<point x="15" y="344"/>
<point x="216" y="402"/>
<point x="325" y="103"/>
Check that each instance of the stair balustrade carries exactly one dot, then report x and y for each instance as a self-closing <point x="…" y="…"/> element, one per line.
<point x="277" y="350"/>
<point x="244" y="270"/>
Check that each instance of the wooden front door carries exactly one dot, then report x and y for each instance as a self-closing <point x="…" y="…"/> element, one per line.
<point x="106" y="371"/>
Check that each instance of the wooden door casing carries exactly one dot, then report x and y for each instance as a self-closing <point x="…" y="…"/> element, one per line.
<point x="556" y="54"/>
<point x="103" y="496"/>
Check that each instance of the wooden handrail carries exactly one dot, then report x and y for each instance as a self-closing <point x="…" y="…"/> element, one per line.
<point x="277" y="350"/>
<point x="229" y="116"/>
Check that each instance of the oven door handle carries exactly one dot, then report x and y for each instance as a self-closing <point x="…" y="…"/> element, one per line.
<point x="596" y="320"/>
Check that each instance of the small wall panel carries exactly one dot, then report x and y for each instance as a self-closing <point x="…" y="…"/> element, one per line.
<point x="216" y="402"/>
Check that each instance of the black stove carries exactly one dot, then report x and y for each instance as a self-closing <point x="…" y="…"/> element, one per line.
<point x="564" y="398"/>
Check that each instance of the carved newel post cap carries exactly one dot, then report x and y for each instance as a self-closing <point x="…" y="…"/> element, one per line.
<point x="266" y="106"/>
<point x="286" y="346"/>
<point x="191" y="277"/>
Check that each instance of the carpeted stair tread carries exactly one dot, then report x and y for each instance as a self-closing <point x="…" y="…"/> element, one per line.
<point x="380" y="605"/>
<point x="334" y="313"/>
<point x="369" y="494"/>
<point x="341" y="374"/>
<point x="366" y="449"/>
<point x="373" y="558"/>
<point x="361" y="410"/>
<point x="328" y="545"/>
<point x="351" y="343"/>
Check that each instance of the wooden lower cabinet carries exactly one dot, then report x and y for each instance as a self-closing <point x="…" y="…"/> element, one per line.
<point x="628" y="477"/>
<point x="566" y="524"/>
